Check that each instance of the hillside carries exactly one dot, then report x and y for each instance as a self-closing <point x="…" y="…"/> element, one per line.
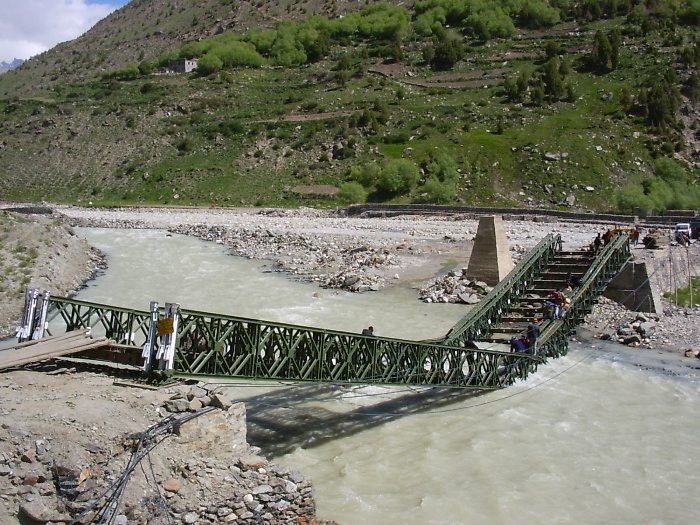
<point x="535" y="106"/>
<point x="143" y="29"/>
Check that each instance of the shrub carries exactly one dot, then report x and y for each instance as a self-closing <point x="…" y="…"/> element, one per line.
<point x="239" y="54"/>
<point x="286" y="49"/>
<point x="490" y="22"/>
<point x="448" y="50"/>
<point x="400" y="137"/>
<point x="209" y="63"/>
<point x="537" y="13"/>
<point x="352" y="193"/>
<point x="398" y="177"/>
<point x="129" y="72"/>
<point x="367" y="175"/>
<point x="262" y="39"/>
<point x="439" y="192"/>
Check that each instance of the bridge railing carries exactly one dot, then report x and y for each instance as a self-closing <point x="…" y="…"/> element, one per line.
<point x="477" y="323"/>
<point x="218" y="345"/>
<point x="553" y="342"/>
<point x="123" y="325"/>
<point x="606" y="265"/>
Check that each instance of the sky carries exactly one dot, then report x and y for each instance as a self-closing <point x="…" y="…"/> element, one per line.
<point x="29" y="27"/>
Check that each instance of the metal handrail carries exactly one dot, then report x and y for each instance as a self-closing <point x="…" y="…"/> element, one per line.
<point x="514" y="284"/>
<point x="608" y="263"/>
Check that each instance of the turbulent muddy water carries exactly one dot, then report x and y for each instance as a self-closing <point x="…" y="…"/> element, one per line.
<point x="598" y="436"/>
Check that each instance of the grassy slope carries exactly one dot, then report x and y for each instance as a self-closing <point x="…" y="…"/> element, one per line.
<point x="120" y="142"/>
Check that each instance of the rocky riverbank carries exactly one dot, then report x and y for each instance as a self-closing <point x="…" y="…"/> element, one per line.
<point x="70" y="440"/>
<point x="42" y="252"/>
<point x="356" y="254"/>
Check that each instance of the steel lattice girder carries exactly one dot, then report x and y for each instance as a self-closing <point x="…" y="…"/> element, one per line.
<point x="122" y="325"/>
<point x="210" y="344"/>
<point x="476" y="325"/>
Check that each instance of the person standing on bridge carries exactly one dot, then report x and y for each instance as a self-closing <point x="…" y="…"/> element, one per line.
<point x="533" y="333"/>
<point x="597" y="243"/>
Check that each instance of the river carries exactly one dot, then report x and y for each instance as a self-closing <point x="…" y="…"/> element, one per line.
<point x="592" y="438"/>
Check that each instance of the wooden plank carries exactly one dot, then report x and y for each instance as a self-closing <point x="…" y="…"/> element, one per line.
<point x="61" y="337"/>
<point x="49" y="349"/>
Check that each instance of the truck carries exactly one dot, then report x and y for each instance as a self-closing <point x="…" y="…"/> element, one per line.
<point x="695" y="227"/>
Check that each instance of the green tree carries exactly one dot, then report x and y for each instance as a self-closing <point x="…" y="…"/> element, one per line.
<point x="263" y="40"/>
<point x="522" y="83"/>
<point x="510" y="87"/>
<point x="287" y="50"/>
<point x="615" y="38"/>
<point x="448" y="50"/>
<point x="208" y="64"/>
<point x="570" y="92"/>
<point x="538" y="13"/>
<point x="601" y="53"/>
<point x="367" y="175"/>
<point x="660" y="99"/>
<point x="552" y="48"/>
<point x="537" y="93"/>
<point x="553" y="83"/>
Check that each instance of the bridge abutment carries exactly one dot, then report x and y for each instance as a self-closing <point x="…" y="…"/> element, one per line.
<point x="632" y="289"/>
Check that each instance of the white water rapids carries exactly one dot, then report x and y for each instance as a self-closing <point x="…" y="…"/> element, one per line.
<point x="591" y="438"/>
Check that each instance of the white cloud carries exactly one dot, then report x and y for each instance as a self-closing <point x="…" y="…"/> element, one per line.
<point x="29" y="27"/>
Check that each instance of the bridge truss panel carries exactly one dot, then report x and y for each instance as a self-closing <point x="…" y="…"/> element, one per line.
<point x="122" y="325"/>
<point x="215" y="345"/>
<point x="478" y="323"/>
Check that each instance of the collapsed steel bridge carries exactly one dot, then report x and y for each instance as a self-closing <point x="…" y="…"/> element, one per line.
<point x="192" y="343"/>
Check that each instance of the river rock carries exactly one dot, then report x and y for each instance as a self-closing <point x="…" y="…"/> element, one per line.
<point x="647" y="329"/>
<point x="177" y="405"/>
<point x="172" y="485"/>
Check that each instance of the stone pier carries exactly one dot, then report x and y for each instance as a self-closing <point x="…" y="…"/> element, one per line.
<point x="490" y="260"/>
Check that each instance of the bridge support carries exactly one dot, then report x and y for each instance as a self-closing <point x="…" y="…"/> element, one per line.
<point x="167" y="332"/>
<point x="149" y="349"/>
<point x="632" y="289"/>
<point x="490" y="260"/>
<point x="34" y="316"/>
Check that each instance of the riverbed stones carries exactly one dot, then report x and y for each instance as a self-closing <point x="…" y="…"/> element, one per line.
<point x="455" y="287"/>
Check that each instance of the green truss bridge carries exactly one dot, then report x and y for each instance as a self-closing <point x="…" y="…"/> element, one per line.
<point x="192" y="343"/>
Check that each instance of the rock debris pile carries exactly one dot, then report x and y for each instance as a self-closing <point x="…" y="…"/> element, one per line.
<point x="455" y="287"/>
<point x="197" y="467"/>
<point x="677" y="328"/>
<point x="333" y="263"/>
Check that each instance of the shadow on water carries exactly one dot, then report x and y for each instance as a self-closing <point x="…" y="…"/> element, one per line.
<point x="281" y="421"/>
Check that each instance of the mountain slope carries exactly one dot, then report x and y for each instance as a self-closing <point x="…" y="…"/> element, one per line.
<point x="143" y="29"/>
<point x="380" y="105"/>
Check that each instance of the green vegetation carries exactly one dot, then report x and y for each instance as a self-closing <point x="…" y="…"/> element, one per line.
<point x="669" y="188"/>
<point x="682" y="296"/>
<point x="455" y="101"/>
